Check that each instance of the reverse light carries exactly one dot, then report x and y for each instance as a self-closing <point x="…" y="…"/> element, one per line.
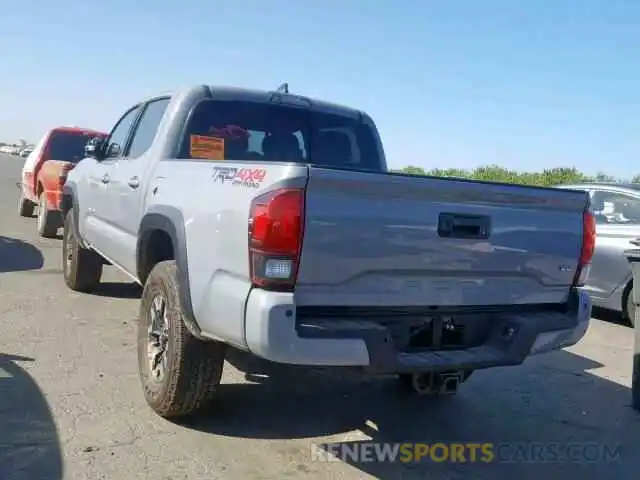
<point x="278" y="268"/>
<point x="276" y="221"/>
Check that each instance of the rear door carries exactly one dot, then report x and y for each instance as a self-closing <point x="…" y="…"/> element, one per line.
<point x="127" y="187"/>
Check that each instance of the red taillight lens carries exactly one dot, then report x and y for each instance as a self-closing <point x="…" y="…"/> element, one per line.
<point x="588" y="248"/>
<point x="276" y="224"/>
<point x="588" y="238"/>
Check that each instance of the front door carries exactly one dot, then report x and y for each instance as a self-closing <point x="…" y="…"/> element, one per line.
<point x="97" y="227"/>
<point x="128" y="186"/>
<point x="92" y="188"/>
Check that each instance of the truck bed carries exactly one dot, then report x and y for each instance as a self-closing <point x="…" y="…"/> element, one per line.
<point x="374" y="239"/>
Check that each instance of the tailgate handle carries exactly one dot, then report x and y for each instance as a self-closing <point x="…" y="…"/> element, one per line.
<point x="456" y="225"/>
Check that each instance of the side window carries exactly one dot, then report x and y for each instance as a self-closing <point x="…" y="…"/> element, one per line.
<point x="615" y="208"/>
<point x="118" y="138"/>
<point x="147" y="127"/>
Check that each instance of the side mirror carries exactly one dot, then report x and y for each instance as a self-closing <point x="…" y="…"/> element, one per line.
<point x="113" y="150"/>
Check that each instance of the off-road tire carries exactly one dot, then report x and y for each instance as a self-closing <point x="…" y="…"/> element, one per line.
<point x="82" y="268"/>
<point x="48" y="220"/>
<point x="194" y="367"/>
<point x="25" y="206"/>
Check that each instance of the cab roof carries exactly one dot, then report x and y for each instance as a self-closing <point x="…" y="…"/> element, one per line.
<point x="77" y="130"/>
<point x="257" y="95"/>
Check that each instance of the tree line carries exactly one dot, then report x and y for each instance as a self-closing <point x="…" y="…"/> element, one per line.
<point x="495" y="173"/>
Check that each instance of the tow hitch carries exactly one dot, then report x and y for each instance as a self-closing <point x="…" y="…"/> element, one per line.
<point x="430" y="383"/>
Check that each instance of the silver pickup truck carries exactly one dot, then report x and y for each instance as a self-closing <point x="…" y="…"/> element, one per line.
<point x="267" y="222"/>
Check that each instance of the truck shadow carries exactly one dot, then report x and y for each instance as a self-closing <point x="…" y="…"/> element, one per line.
<point x="29" y="444"/>
<point x="553" y="399"/>
<point x="117" y="290"/>
<point x="609" y="316"/>
<point x="18" y="256"/>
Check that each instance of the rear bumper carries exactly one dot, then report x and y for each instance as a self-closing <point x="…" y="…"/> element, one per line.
<point x="272" y="333"/>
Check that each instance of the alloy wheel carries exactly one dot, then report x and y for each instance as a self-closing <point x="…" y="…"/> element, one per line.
<point x="158" y="338"/>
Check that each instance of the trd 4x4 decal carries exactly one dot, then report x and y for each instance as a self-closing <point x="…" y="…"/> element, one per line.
<point x="246" y="177"/>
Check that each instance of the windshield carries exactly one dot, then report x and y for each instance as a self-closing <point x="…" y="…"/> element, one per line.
<point x="68" y="146"/>
<point x="244" y="130"/>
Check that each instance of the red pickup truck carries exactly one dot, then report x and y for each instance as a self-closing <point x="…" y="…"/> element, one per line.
<point x="45" y="171"/>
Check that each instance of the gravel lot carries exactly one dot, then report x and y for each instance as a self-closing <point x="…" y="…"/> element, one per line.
<point x="71" y="406"/>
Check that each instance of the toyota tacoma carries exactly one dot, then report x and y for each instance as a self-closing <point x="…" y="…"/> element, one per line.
<point x="268" y="222"/>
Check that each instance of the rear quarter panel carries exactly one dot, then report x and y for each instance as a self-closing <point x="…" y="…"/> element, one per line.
<point x="32" y="166"/>
<point x="215" y="206"/>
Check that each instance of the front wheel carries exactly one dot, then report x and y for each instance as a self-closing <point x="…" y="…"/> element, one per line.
<point x="82" y="268"/>
<point x="179" y="373"/>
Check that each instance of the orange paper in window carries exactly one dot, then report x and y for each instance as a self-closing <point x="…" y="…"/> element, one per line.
<point x="207" y="148"/>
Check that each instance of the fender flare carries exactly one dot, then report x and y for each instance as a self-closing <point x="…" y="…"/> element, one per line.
<point x="70" y="201"/>
<point x="171" y="221"/>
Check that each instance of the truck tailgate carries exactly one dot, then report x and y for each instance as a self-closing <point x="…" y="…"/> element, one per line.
<point x="396" y="240"/>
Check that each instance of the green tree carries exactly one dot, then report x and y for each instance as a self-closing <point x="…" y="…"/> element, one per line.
<point x="496" y="173"/>
<point x="413" y="170"/>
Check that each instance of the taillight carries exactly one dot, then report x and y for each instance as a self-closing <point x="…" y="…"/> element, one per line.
<point x="588" y="248"/>
<point x="276" y="221"/>
<point x="588" y="238"/>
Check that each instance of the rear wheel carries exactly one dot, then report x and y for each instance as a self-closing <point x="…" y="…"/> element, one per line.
<point x="179" y="373"/>
<point x="48" y="220"/>
<point x="25" y="206"/>
<point x="82" y="268"/>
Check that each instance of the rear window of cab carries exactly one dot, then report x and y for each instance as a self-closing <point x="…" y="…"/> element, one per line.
<point x="68" y="146"/>
<point x="246" y="130"/>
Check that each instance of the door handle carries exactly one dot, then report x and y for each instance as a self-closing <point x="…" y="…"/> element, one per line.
<point x="134" y="182"/>
<point x="105" y="178"/>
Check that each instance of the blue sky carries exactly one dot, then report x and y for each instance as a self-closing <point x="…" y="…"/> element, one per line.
<point x="526" y="84"/>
